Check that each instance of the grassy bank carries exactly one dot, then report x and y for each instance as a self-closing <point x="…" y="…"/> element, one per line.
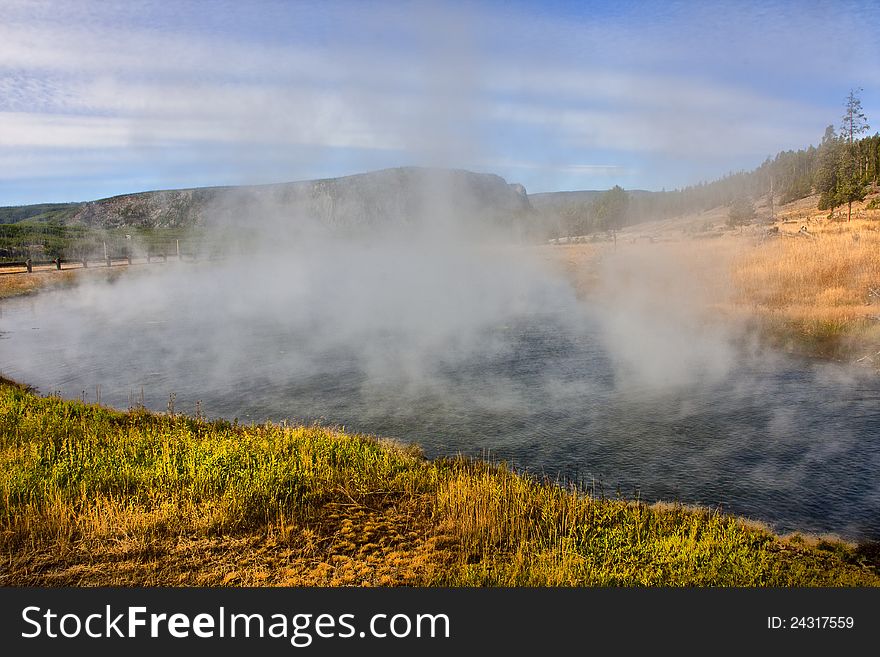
<point x="20" y="284"/>
<point x="16" y="285"/>
<point x="815" y="293"/>
<point x="90" y="496"/>
<point x="818" y="293"/>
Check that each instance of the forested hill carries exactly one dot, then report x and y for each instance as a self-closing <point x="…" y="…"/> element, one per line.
<point x="838" y="169"/>
<point x="791" y="175"/>
<point x="58" y="212"/>
<point x="841" y="169"/>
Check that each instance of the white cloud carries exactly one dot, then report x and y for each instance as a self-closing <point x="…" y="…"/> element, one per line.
<point x="18" y="129"/>
<point x="586" y="169"/>
<point x="76" y="132"/>
<point x="575" y="98"/>
<point x="686" y="132"/>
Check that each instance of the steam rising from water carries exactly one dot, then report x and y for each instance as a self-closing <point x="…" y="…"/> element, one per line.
<point x="654" y="318"/>
<point x="470" y="343"/>
<point x="443" y="330"/>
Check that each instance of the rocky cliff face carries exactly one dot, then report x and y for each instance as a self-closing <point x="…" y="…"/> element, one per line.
<point x="181" y="207"/>
<point x="389" y="197"/>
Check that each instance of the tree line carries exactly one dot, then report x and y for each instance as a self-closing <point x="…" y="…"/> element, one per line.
<point x="840" y="169"/>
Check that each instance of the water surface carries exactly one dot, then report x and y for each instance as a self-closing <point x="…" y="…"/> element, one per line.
<point x="792" y="443"/>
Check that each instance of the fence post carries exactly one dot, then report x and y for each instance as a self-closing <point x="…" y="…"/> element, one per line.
<point x="29" y="265"/>
<point x="178" y="249"/>
<point x="128" y="256"/>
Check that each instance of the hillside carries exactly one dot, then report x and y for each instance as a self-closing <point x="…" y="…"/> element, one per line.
<point x="39" y="212"/>
<point x="386" y="197"/>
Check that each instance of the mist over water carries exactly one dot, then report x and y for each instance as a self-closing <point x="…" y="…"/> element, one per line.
<point x="473" y="347"/>
<point x="442" y="329"/>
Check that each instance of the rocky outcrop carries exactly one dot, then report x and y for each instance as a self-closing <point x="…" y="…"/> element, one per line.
<point x="164" y="209"/>
<point x="409" y="195"/>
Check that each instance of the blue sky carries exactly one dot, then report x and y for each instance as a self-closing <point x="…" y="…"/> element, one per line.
<point x="102" y="98"/>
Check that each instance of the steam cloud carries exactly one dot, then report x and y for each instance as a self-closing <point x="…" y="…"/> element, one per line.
<point x="466" y="340"/>
<point x="446" y="329"/>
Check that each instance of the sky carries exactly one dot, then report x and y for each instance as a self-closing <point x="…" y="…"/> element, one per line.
<point x="104" y="98"/>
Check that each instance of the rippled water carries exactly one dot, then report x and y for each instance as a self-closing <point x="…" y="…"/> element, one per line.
<point x="788" y="442"/>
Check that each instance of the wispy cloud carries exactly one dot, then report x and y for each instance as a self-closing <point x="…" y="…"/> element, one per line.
<point x="538" y="95"/>
<point x="586" y="169"/>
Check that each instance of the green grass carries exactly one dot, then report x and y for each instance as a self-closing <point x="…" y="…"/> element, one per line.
<point x="89" y="495"/>
<point x="41" y="238"/>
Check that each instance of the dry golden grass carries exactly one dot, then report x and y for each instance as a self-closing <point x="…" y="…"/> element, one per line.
<point x="831" y="270"/>
<point x="348" y="545"/>
<point x="820" y="291"/>
<point x="578" y="262"/>
<point x="20" y="283"/>
<point x="817" y="294"/>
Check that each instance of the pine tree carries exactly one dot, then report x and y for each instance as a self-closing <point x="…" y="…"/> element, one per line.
<point x="742" y="212"/>
<point x="611" y="210"/>
<point x="850" y="184"/>
<point x="827" y="171"/>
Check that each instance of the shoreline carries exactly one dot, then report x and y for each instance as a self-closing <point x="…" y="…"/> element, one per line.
<point x="437" y="497"/>
<point x="805" y="536"/>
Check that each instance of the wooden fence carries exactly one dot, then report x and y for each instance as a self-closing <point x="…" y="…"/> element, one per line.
<point x="108" y="260"/>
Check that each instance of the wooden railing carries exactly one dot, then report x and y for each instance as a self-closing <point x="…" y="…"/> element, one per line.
<point x="107" y="260"/>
